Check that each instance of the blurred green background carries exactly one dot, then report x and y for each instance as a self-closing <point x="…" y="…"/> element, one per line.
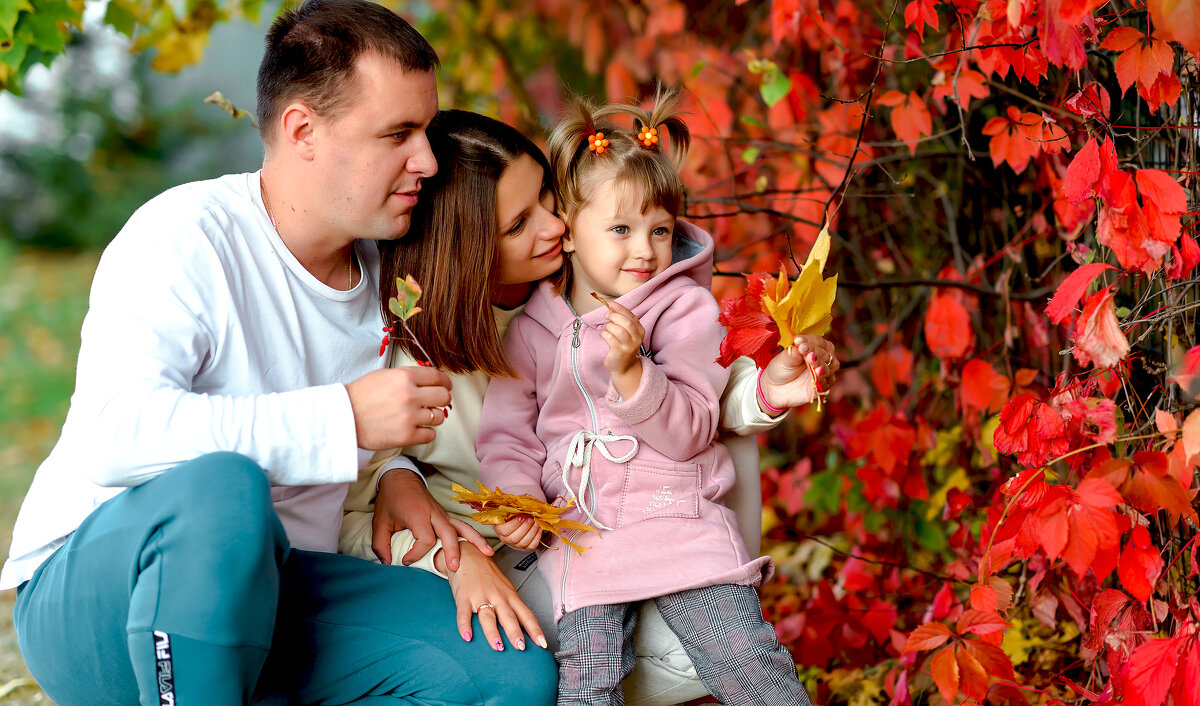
<point x="91" y="139"/>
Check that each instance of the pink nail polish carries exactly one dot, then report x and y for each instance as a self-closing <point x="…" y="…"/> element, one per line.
<point x="466" y="635"/>
<point x="498" y="645"/>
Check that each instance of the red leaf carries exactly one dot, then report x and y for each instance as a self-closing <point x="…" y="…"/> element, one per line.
<point x="1188" y="374"/>
<point x="921" y="13"/>
<point x="1098" y="336"/>
<point x="995" y="662"/>
<point x="948" y="327"/>
<point x="1092" y="102"/>
<point x="1016" y="138"/>
<point x="1140" y="565"/>
<point x="982" y="388"/>
<point x="910" y="117"/>
<point x="1177" y="21"/>
<point x="927" y="637"/>
<point x="1187" y="678"/>
<point x="1073" y="288"/>
<point x="980" y="622"/>
<point x="983" y="598"/>
<point x="972" y="676"/>
<point x="945" y="673"/>
<point x="1148" y="673"/>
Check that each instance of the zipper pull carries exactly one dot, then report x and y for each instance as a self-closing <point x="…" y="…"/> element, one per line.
<point x="575" y="337"/>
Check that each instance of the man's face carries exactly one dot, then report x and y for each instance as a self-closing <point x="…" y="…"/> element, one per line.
<point x="371" y="159"/>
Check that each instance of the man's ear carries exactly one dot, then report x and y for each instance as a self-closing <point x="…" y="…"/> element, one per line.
<point x="297" y="129"/>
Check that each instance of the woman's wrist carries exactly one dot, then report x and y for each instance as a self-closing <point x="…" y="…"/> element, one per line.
<point x="763" y="404"/>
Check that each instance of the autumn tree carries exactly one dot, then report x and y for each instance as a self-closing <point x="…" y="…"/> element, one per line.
<point x="998" y="503"/>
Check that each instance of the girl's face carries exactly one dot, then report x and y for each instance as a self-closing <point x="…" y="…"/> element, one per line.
<point x="616" y="249"/>
<point x="530" y="235"/>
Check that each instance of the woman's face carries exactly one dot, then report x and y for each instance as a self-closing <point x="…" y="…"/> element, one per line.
<point x="530" y="235"/>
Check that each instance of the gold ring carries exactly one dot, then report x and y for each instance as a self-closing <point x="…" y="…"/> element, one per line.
<point x="485" y="605"/>
<point x="430" y="410"/>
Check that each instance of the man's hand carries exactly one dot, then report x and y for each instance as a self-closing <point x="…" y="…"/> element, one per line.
<point x="787" y="381"/>
<point x="398" y="406"/>
<point x="520" y="533"/>
<point x="405" y="503"/>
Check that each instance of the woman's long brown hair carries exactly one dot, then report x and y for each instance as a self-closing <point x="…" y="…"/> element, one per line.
<point x="450" y="248"/>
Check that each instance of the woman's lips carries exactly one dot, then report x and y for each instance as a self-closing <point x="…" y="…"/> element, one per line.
<point x="552" y="252"/>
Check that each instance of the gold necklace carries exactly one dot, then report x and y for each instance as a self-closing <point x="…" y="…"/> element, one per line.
<point x="262" y="187"/>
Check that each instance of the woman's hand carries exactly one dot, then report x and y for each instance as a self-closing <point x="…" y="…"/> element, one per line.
<point x="479" y="586"/>
<point x="520" y="533"/>
<point x="623" y="333"/>
<point x="404" y="503"/>
<point x="787" y="382"/>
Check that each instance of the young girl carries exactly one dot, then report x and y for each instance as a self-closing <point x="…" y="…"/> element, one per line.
<point x="616" y="409"/>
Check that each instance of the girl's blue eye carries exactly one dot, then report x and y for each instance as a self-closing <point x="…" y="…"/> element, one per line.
<point x="620" y="230"/>
<point x="517" y="227"/>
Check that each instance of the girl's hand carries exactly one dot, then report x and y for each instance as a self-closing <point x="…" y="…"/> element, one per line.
<point x="520" y="533"/>
<point x="787" y="381"/>
<point x="479" y="586"/>
<point x="623" y="333"/>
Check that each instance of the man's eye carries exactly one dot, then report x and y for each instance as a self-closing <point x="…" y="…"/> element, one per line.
<point x="403" y="135"/>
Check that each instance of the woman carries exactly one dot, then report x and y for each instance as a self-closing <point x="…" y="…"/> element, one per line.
<point x="483" y="234"/>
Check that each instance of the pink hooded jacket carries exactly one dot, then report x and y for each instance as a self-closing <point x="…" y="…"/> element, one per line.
<point x="656" y="498"/>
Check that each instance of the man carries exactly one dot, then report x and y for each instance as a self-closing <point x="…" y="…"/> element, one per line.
<point x="239" y="315"/>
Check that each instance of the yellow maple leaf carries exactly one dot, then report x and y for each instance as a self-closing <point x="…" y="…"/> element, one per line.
<point x="495" y="507"/>
<point x="803" y="306"/>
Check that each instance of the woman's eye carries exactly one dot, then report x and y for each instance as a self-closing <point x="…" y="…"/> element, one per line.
<point x="517" y="227"/>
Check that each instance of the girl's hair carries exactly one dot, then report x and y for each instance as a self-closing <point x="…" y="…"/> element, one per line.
<point x="450" y="248"/>
<point x="642" y="171"/>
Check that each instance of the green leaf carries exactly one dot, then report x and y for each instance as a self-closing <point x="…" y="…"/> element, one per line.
<point x="751" y="120"/>
<point x="121" y="16"/>
<point x="750" y="154"/>
<point x="408" y="292"/>
<point x="931" y="535"/>
<point x="44" y="27"/>
<point x="9" y="10"/>
<point x="775" y="87"/>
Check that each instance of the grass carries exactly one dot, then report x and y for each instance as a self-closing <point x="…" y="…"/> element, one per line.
<point x="42" y="302"/>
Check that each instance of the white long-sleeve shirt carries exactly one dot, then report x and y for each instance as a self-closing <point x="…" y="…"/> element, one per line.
<point x="204" y="333"/>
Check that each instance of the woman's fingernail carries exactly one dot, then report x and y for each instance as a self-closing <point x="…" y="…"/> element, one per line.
<point x="466" y="635"/>
<point x="820" y="371"/>
<point x="498" y="645"/>
<point x="541" y="640"/>
<point x="520" y="644"/>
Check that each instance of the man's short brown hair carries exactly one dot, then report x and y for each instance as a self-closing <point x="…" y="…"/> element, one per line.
<point x="312" y="49"/>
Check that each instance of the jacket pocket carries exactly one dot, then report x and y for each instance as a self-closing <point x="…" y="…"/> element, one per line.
<point x="653" y="490"/>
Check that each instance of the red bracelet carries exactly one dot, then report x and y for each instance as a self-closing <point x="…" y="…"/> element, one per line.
<point x="774" y="411"/>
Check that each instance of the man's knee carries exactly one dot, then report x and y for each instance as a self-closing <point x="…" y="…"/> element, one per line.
<point x="537" y="684"/>
<point x="218" y="504"/>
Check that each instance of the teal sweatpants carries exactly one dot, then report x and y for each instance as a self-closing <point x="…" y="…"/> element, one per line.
<point x="183" y="591"/>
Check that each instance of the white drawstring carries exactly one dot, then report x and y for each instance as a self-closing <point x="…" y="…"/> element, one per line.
<point x="579" y="453"/>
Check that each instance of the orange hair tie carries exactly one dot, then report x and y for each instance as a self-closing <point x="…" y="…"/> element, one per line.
<point x="597" y="143"/>
<point x="648" y="136"/>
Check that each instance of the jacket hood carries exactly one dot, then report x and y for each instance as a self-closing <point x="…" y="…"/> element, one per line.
<point x="691" y="263"/>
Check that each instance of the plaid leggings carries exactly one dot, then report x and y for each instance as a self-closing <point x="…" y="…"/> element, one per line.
<point x="734" y="650"/>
